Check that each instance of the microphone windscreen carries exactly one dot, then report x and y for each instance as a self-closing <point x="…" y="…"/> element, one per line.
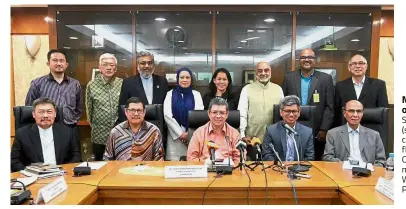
<point x="211" y="144"/>
<point x="241" y="144"/>
<point x="255" y="141"/>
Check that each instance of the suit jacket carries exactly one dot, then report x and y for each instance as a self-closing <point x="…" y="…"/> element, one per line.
<point x="373" y="94"/>
<point x="27" y="147"/>
<point x="338" y="145"/>
<point x="276" y="134"/>
<point x="132" y="87"/>
<point x="321" y="82"/>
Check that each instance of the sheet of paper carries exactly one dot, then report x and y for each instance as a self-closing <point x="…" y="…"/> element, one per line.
<point x="139" y="168"/>
<point x="26" y="181"/>
<point x="93" y="165"/>
<point x="348" y="166"/>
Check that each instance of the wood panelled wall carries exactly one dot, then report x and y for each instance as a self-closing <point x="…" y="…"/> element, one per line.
<point x="387" y="27"/>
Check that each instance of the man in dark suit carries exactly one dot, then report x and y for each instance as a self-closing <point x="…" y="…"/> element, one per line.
<point x="149" y="87"/>
<point x="283" y="140"/>
<point x="314" y="88"/>
<point x="371" y="92"/>
<point x="44" y="141"/>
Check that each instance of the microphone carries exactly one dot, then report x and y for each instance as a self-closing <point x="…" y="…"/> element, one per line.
<point x="81" y="171"/>
<point x="276" y="154"/>
<point x="290" y="129"/>
<point x="241" y="145"/>
<point x="212" y="148"/>
<point x="256" y="142"/>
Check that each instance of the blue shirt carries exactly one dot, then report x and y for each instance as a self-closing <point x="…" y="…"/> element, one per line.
<point x="305" y="86"/>
<point x="148" y="88"/>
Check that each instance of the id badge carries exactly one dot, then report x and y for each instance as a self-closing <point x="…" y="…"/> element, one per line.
<point x="316" y="97"/>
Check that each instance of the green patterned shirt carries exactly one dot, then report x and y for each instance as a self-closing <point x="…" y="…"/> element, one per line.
<point x="102" y="106"/>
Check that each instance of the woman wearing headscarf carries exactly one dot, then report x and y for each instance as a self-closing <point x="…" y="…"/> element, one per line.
<point x="177" y="104"/>
<point x="221" y="85"/>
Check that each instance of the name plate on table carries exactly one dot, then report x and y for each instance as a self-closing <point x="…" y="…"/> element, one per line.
<point x="385" y="187"/>
<point x="52" y="190"/>
<point x="186" y="171"/>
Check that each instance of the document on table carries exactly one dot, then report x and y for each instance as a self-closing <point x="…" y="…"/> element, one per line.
<point x="26" y="181"/>
<point x="93" y="165"/>
<point x="348" y="166"/>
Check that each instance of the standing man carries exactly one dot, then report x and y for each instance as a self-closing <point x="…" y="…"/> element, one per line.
<point x="102" y="95"/>
<point x="282" y="138"/>
<point x="149" y="87"/>
<point x="371" y="92"/>
<point x="314" y="88"/>
<point x="135" y="138"/>
<point x="63" y="90"/>
<point x="256" y="105"/>
<point x="353" y="141"/>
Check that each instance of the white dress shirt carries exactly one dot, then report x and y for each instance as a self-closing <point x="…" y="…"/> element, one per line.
<point x="147" y="83"/>
<point x="358" y="87"/>
<point x="243" y="108"/>
<point x="47" y="144"/>
<point x="174" y="147"/>
<point x="355" y="152"/>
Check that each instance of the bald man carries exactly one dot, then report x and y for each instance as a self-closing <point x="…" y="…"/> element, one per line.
<point x="314" y="88"/>
<point x="256" y="105"/>
<point x="353" y="141"/>
<point x="371" y="92"/>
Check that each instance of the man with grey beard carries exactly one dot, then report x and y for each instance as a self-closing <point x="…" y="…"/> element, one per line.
<point x="150" y="88"/>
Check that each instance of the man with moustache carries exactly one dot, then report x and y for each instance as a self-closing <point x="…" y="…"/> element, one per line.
<point x="135" y="138"/>
<point x="353" y="141"/>
<point x="314" y="88"/>
<point x="44" y="141"/>
<point x="150" y="88"/>
<point x="256" y="106"/>
<point x="102" y="96"/>
<point x="60" y="88"/>
<point x="371" y="92"/>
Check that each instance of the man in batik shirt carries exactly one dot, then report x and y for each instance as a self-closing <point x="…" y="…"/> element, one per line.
<point x="102" y="95"/>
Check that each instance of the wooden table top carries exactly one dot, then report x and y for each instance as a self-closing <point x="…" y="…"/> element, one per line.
<point x="358" y="195"/>
<point x="239" y="179"/>
<point x="344" y="178"/>
<point x="93" y="179"/>
<point x="76" y="194"/>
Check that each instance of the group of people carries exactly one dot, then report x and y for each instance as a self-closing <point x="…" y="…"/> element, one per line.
<point x="138" y="139"/>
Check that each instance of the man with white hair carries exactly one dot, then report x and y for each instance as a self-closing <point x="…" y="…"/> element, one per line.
<point x="102" y="96"/>
<point x="145" y="84"/>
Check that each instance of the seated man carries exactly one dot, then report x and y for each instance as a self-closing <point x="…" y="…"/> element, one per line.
<point x="135" y="138"/>
<point x="216" y="130"/>
<point x="353" y="140"/>
<point x="283" y="139"/>
<point x="44" y="141"/>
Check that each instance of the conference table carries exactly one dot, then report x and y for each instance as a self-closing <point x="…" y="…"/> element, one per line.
<point x="118" y="183"/>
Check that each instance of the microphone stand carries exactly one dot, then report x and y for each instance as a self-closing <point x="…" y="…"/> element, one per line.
<point x="298" y="167"/>
<point x="255" y="164"/>
<point x="242" y="160"/>
<point x="282" y="166"/>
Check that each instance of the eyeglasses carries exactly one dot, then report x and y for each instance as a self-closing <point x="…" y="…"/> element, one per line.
<point x="266" y="70"/>
<point x="42" y="112"/>
<point x="357" y="63"/>
<point x="106" y="64"/>
<point x="221" y="113"/>
<point x="288" y="112"/>
<point x="307" y="57"/>
<point x="132" y="111"/>
<point x="352" y="111"/>
<point x="145" y="63"/>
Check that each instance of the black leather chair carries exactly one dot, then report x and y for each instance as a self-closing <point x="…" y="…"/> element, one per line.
<point x="306" y="115"/>
<point x="154" y="114"/>
<point x="376" y="119"/>
<point x="23" y="116"/>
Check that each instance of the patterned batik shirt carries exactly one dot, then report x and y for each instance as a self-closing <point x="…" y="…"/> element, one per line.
<point x="102" y="103"/>
<point x="144" y="145"/>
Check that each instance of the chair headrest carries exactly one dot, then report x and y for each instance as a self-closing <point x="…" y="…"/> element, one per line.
<point x="306" y="112"/>
<point x="373" y="115"/>
<point x="23" y="115"/>
<point x="198" y="118"/>
<point x="152" y="111"/>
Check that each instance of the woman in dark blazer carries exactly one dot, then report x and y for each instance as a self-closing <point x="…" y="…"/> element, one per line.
<point x="221" y="86"/>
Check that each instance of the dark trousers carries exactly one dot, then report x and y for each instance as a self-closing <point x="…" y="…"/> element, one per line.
<point x="252" y="153"/>
<point x="318" y="150"/>
<point x="98" y="151"/>
<point x="75" y="134"/>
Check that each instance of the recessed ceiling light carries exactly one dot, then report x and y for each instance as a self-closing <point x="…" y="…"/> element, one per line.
<point x="73" y="38"/>
<point x="243" y="41"/>
<point x="249" y="31"/>
<point x="269" y="20"/>
<point x="261" y="31"/>
<point x="355" y="40"/>
<point x="252" y="38"/>
<point x="176" y="30"/>
<point x="181" y="41"/>
<point x="160" y="19"/>
<point x="66" y="47"/>
<point x="239" y="47"/>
